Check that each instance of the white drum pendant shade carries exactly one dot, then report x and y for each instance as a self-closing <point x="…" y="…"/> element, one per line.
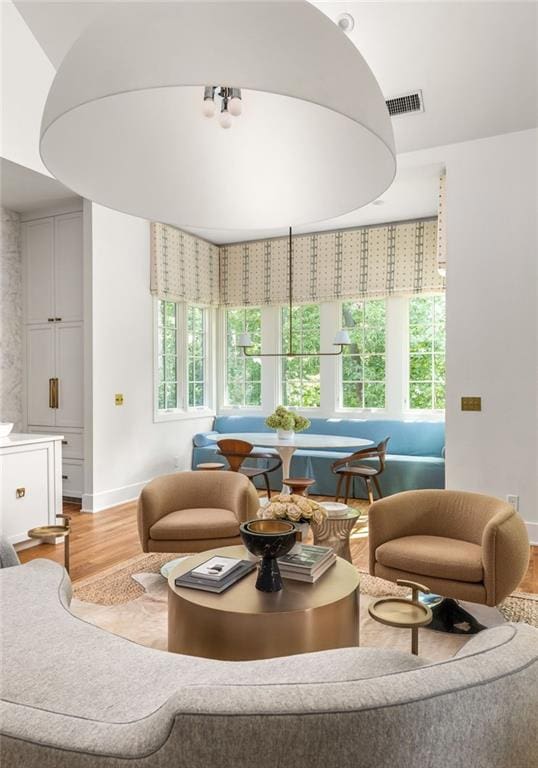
<point x="123" y="123"/>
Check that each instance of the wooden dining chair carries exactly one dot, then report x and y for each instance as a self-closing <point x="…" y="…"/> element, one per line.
<point x="237" y="451"/>
<point x="347" y="470"/>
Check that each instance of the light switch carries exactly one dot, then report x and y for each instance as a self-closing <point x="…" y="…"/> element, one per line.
<point x="118" y="399"/>
<point x="471" y="403"/>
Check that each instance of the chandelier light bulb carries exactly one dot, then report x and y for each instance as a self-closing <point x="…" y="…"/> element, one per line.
<point x="208" y="107"/>
<point x="235" y="106"/>
<point x="225" y="119"/>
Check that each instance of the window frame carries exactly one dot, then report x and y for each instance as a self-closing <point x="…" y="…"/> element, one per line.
<point x="307" y="410"/>
<point x="420" y="413"/>
<point x="183" y="411"/>
<point x="224" y="406"/>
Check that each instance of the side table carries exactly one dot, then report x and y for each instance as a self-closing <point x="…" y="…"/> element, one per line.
<point x="53" y="531"/>
<point x="335" y="531"/>
<point x="403" y="613"/>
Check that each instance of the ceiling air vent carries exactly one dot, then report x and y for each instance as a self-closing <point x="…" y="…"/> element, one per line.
<point x="405" y="105"/>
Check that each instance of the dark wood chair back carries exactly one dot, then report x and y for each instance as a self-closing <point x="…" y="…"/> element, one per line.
<point x="235" y="452"/>
<point x="379" y="452"/>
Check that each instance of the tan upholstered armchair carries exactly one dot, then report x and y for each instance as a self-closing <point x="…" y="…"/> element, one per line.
<point x="194" y="511"/>
<point x="466" y="546"/>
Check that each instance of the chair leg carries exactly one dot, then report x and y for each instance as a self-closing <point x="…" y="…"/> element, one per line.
<point x="369" y="489"/>
<point x="376" y="483"/>
<point x="338" y="486"/>
<point x="266" y="478"/>
<point x="348" y="483"/>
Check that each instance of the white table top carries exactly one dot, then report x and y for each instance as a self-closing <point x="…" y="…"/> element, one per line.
<point x="272" y="440"/>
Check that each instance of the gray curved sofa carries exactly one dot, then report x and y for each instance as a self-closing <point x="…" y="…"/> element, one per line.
<point x="75" y="695"/>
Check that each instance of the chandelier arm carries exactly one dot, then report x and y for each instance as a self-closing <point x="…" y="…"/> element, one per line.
<point x="290" y="283"/>
<point x="293" y="354"/>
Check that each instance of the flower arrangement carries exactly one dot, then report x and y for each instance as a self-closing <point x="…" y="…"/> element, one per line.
<point x="287" y="420"/>
<point x="297" y="509"/>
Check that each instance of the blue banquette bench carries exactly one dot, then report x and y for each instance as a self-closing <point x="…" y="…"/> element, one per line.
<point x="415" y="456"/>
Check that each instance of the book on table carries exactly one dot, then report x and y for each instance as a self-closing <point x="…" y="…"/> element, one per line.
<point x="216" y="568"/>
<point x="308" y="564"/>
<point x="211" y="584"/>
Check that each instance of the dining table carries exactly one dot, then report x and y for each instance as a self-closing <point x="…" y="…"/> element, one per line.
<point x="286" y="447"/>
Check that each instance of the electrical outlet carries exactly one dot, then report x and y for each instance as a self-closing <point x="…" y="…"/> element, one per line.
<point x="513" y="500"/>
<point x="177" y="462"/>
<point x="118" y="399"/>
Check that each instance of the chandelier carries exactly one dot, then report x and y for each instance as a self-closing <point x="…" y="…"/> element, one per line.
<point x="341" y="340"/>
<point x="124" y="126"/>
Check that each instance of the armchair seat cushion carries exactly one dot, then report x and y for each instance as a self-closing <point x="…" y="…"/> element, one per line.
<point x="191" y="524"/>
<point x="435" y="556"/>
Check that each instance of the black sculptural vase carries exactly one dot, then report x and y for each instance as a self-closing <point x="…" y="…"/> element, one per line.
<point x="268" y="539"/>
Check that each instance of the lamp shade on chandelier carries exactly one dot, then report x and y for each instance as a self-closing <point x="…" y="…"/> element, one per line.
<point x="134" y="118"/>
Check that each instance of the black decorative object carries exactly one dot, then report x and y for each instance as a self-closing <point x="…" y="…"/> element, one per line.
<point x="268" y="539"/>
<point x="449" y="616"/>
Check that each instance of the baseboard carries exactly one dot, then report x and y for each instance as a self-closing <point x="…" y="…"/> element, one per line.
<point x="532" y="530"/>
<point x="96" y="502"/>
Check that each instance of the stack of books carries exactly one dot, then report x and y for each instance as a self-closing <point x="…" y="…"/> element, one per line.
<point x="216" y="574"/>
<point x="308" y="564"/>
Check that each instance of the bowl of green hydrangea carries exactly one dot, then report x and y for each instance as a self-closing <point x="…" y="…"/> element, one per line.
<point x="286" y="422"/>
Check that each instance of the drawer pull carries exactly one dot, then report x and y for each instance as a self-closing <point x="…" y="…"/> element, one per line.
<point x="64" y="442"/>
<point x="50" y="319"/>
<point x="58" y="319"/>
<point x="54" y="400"/>
<point x="65" y="477"/>
<point x="20" y="493"/>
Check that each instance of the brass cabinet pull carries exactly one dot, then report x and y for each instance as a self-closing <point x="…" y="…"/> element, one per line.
<point x="58" y="319"/>
<point x="64" y="442"/>
<point x="54" y="399"/>
<point x="65" y="477"/>
<point x="20" y="493"/>
<point x="50" y="319"/>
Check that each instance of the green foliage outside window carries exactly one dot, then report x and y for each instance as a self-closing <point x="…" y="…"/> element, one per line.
<point x="243" y="374"/>
<point x="427" y="352"/>
<point x="167" y="356"/>
<point x="301" y="375"/>
<point x="196" y="356"/>
<point x="363" y="362"/>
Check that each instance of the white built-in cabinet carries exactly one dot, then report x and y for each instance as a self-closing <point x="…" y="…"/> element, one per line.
<point x="54" y="336"/>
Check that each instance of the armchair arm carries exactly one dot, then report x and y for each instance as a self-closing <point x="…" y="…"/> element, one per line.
<point x="248" y="505"/>
<point x="505" y="554"/>
<point x="402" y="514"/>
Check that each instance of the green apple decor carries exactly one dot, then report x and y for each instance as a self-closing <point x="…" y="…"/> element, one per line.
<point x="286" y="422"/>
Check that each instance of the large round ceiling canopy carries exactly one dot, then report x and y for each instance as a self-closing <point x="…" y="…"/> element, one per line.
<point x="126" y="124"/>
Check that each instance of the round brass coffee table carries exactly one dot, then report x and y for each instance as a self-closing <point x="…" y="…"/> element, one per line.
<point x="243" y="623"/>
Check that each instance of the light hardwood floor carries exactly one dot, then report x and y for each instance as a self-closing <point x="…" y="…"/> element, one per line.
<point x="106" y="538"/>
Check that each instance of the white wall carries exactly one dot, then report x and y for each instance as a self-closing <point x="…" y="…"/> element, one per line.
<point x="492" y="346"/>
<point x="27" y="75"/>
<point x="128" y="447"/>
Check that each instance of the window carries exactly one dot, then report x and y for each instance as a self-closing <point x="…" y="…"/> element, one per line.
<point x="196" y="357"/>
<point x="427" y="352"/>
<point x="243" y="387"/>
<point x="301" y="375"/>
<point x="167" y="355"/>
<point x="363" y="362"/>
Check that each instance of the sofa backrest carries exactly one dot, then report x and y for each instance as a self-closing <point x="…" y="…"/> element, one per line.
<point x="407" y="438"/>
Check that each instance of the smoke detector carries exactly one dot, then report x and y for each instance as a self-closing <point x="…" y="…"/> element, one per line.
<point x="346" y="22"/>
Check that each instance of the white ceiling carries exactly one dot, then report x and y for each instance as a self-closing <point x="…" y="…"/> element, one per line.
<point x="23" y="190"/>
<point x="476" y="63"/>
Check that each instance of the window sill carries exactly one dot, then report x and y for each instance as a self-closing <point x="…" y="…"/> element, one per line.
<point x="160" y="416"/>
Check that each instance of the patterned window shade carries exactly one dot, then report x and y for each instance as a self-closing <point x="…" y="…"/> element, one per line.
<point x="371" y="262"/>
<point x="183" y="267"/>
<point x="441" y="227"/>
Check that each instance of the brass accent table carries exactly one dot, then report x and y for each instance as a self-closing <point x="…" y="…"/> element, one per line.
<point x="335" y="531"/>
<point x="243" y="623"/>
<point x="402" y="612"/>
<point x="52" y="531"/>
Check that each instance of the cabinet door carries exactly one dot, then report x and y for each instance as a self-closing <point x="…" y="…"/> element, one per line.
<point x="69" y="371"/>
<point x="40" y="368"/>
<point x="38" y="250"/>
<point x="68" y="267"/>
<point x="25" y="490"/>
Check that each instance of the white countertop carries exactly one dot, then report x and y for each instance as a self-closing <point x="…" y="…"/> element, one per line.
<point x="22" y="438"/>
